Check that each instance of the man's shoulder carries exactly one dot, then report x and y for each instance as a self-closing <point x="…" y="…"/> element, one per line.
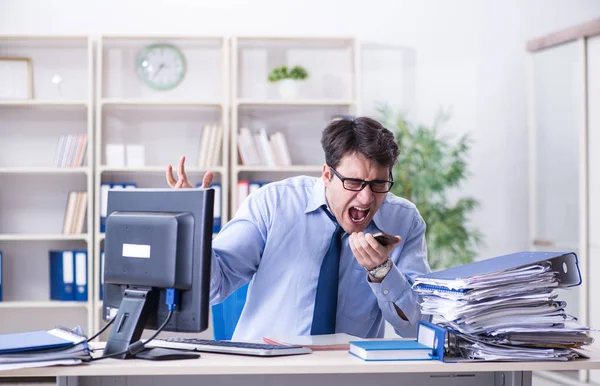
<point x="394" y="202"/>
<point x="293" y="182"/>
<point x="398" y="211"/>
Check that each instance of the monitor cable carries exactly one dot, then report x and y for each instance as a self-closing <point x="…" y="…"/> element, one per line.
<point x="101" y="330"/>
<point x="136" y="347"/>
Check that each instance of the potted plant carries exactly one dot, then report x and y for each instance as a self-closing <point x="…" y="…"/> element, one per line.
<point x="429" y="166"/>
<point x="287" y="78"/>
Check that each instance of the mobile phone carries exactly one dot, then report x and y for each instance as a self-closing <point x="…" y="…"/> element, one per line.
<point x="385" y="238"/>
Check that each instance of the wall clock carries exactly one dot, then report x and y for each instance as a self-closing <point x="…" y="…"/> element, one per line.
<point x="161" y="66"/>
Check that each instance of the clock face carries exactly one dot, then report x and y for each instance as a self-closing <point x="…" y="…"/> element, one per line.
<point x="161" y="66"/>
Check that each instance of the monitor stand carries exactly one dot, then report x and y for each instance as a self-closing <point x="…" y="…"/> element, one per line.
<point x="130" y="321"/>
<point x="129" y="324"/>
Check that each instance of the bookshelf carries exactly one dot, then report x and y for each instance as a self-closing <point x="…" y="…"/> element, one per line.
<point x="331" y="89"/>
<point x="33" y="189"/>
<point x="167" y="123"/>
<point x="102" y="95"/>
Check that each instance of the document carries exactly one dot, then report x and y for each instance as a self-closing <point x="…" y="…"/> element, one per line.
<point x="507" y="308"/>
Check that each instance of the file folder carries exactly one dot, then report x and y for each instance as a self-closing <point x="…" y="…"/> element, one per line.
<point x="0" y="276"/>
<point x="565" y="263"/>
<point x="81" y="287"/>
<point x="62" y="272"/>
<point x="37" y="340"/>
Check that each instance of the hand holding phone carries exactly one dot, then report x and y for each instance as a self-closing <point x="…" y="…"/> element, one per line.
<point x="385" y="239"/>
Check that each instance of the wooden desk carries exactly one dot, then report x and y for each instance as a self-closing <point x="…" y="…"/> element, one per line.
<point x="337" y="367"/>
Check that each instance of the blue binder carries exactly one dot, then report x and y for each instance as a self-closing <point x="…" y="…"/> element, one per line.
<point x="62" y="275"/>
<point x="101" y="274"/>
<point x="81" y="286"/>
<point x="0" y="276"/>
<point x="565" y="263"/>
<point x="433" y="336"/>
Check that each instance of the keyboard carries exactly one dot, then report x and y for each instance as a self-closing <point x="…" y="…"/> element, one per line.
<point x="228" y="347"/>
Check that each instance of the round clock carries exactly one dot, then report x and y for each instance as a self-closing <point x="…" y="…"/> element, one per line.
<point x="161" y="66"/>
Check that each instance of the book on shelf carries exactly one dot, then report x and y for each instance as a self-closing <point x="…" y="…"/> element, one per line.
<point x="211" y="143"/>
<point x="261" y="148"/>
<point x="68" y="275"/>
<point x="71" y="151"/>
<point x="75" y="212"/>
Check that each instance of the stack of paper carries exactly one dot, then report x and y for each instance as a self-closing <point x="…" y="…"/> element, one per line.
<point x="506" y="308"/>
<point x="43" y="348"/>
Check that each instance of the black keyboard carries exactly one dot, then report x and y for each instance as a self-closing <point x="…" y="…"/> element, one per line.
<point x="228" y="347"/>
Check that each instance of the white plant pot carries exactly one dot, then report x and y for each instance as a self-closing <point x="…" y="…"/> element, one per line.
<point x="287" y="89"/>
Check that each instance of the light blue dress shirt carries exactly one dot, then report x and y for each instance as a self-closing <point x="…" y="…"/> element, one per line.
<point x="277" y="240"/>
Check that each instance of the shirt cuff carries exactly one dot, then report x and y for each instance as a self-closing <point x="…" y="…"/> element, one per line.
<point x="391" y="288"/>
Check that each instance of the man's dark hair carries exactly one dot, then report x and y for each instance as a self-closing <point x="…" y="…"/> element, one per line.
<point x="361" y="135"/>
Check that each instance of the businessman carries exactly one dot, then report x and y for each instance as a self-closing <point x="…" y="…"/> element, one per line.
<point x="306" y="244"/>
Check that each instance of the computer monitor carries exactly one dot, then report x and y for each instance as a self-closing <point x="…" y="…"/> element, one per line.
<point x="156" y="240"/>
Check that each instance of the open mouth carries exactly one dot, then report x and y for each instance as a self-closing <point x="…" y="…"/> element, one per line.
<point x="358" y="215"/>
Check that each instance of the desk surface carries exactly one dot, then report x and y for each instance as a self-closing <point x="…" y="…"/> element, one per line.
<point x="319" y="362"/>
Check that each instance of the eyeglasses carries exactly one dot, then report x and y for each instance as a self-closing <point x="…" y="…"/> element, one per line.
<point x="356" y="184"/>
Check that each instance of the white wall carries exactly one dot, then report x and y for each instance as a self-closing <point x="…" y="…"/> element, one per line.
<point x="470" y="56"/>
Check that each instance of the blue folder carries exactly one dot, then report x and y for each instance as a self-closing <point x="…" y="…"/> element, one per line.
<point x="565" y="263"/>
<point x="0" y="276"/>
<point x="30" y="341"/>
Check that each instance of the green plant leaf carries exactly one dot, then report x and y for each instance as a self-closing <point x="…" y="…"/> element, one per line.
<point x="429" y="166"/>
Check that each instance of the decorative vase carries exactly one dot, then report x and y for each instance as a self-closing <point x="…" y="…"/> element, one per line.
<point x="287" y="89"/>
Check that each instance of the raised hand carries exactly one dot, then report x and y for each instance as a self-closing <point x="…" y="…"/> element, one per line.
<point x="182" y="180"/>
<point x="368" y="252"/>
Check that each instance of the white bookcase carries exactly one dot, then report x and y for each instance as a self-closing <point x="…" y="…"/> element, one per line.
<point x="331" y="89"/>
<point x="167" y="123"/>
<point x="33" y="190"/>
<point x="102" y="95"/>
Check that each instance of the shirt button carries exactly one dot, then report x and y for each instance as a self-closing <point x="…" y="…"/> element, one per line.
<point x="385" y="292"/>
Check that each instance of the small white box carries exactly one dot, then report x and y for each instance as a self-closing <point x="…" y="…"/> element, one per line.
<point x="115" y="155"/>
<point x="135" y="156"/>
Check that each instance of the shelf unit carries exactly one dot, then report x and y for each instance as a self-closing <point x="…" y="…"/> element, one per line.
<point x="102" y="95"/>
<point x="332" y="88"/>
<point x="33" y="191"/>
<point x="130" y="112"/>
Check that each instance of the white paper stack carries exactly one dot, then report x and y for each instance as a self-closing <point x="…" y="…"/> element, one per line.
<point x="507" y="309"/>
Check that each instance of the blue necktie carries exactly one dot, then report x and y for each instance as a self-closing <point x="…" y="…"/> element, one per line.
<point x="327" y="287"/>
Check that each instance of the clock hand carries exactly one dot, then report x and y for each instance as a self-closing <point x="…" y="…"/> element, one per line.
<point x="160" y="68"/>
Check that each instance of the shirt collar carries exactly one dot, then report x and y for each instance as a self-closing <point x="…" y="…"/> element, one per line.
<point x="317" y="199"/>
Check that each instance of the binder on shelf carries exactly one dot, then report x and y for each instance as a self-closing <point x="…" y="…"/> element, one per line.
<point x="81" y="287"/>
<point x="101" y="273"/>
<point x="0" y="276"/>
<point x="104" y="188"/>
<point x="62" y="271"/>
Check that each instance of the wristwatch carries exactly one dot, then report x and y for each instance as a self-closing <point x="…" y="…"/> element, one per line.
<point x="380" y="271"/>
